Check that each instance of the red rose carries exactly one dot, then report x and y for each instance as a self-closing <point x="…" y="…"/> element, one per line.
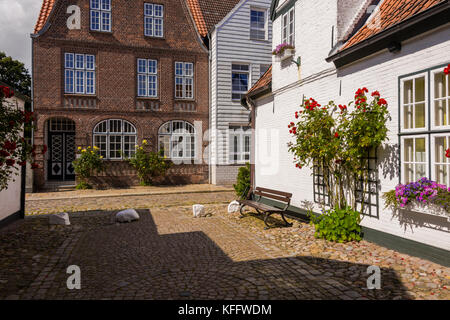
<point x="44" y="149"/>
<point x="447" y="70"/>
<point x="382" y="101"/>
<point x="336" y="135"/>
<point x="10" y="162"/>
<point x="447" y="153"/>
<point x="375" y="94"/>
<point x="22" y="163"/>
<point x="34" y="165"/>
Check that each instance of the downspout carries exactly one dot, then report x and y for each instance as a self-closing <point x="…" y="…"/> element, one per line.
<point x="251" y="104"/>
<point x="210" y="105"/>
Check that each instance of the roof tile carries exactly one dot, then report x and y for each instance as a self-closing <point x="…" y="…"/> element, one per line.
<point x="47" y="6"/>
<point x="391" y="13"/>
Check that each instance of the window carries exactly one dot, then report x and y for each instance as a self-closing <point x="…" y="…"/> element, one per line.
<point x="413" y="112"/>
<point x="79" y="73"/>
<point x="425" y="126"/>
<point x="239" y="144"/>
<point x="258" y="24"/>
<point x="115" y="138"/>
<point x="177" y="140"/>
<point x="101" y="15"/>
<point x="320" y="180"/>
<point x="184" y="80"/>
<point x="263" y="68"/>
<point x="440" y="104"/>
<point x="441" y="164"/>
<point x="153" y="20"/>
<point x="239" y="81"/>
<point x="287" y="28"/>
<point x="147" y="78"/>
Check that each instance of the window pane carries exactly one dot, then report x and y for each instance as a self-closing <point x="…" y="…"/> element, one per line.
<point x="115" y="146"/>
<point x="95" y="20"/>
<point x="420" y="155"/>
<point x="408" y="150"/>
<point x="440" y="147"/>
<point x="69" y="81"/>
<point x="439" y="85"/>
<point x="148" y="9"/>
<point x="441" y="173"/>
<point x="69" y="60"/>
<point x="100" y="142"/>
<point x="158" y="10"/>
<point x="95" y="4"/>
<point x="164" y="145"/>
<point x="407" y="117"/>
<point x="90" y="82"/>
<point x="106" y="16"/>
<point x="407" y="92"/>
<point x="420" y="171"/>
<point x="440" y="113"/>
<point x="148" y="24"/>
<point x="408" y="173"/>
<point x="420" y="89"/>
<point x="420" y="116"/>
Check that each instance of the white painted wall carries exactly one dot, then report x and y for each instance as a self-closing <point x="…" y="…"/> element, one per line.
<point x="10" y="198"/>
<point x="322" y="81"/>
<point x="231" y="43"/>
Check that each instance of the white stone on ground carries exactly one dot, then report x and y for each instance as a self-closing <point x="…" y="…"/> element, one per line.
<point x="198" y="210"/>
<point x="61" y="219"/>
<point x="233" y="207"/>
<point x="127" y="215"/>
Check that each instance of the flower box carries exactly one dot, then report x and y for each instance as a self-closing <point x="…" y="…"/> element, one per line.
<point x="286" y="54"/>
<point x="427" y="208"/>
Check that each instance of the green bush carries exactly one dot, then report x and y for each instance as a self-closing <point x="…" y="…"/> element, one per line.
<point x="339" y="225"/>
<point x="243" y="180"/>
<point x="89" y="162"/>
<point x="148" y="164"/>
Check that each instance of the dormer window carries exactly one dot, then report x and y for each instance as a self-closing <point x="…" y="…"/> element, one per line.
<point x="153" y="20"/>
<point x="101" y="15"/>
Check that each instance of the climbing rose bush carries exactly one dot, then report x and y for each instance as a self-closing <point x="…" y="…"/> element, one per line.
<point x="14" y="150"/>
<point x="423" y="191"/>
<point x="336" y="138"/>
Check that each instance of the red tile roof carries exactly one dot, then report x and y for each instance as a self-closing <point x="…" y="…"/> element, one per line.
<point x="47" y="6"/>
<point x="208" y="13"/>
<point x="391" y="12"/>
<point x="264" y="81"/>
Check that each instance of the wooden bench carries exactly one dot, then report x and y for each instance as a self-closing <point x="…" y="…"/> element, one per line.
<point x="252" y="198"/>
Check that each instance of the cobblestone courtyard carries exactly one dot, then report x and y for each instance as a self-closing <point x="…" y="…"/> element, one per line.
<point x="168" y="254"/>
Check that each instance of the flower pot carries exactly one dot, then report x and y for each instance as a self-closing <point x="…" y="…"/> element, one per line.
<point x="427" y="208"/>
<point x="286" y="54"/>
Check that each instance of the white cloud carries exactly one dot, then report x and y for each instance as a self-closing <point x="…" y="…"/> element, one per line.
<point x="17" y="20"/>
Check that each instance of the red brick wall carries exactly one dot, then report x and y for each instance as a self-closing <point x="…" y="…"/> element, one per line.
<point x="116" y="81"/>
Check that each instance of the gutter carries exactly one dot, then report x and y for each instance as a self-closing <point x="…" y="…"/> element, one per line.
<point x="420" y="23"/>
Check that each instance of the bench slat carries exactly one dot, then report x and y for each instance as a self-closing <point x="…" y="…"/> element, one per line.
<point x="259" y="205"/>
<point x="280" y="193"/>
<point x="271" y="196"/>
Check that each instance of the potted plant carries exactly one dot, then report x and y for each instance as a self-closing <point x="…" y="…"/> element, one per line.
<point x="284" y="51"/>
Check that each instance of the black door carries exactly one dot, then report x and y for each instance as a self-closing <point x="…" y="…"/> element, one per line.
<point x="61" y="156"/>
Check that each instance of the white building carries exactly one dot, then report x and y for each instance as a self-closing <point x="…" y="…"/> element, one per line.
<point x="12" y="199"/>
<point x="397" y="47"/>
<point x="238" y="35"/>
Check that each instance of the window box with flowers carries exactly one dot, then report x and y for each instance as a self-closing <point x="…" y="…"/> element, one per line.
<point x="283" y="52"/>
<point x="423" y="196"/>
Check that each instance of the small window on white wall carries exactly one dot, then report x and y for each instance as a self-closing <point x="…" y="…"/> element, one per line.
<point x="414" y="158"/>
<point x="414" y="103"/>
<point x="441" y="164"/>
<point x="288" y="27"/>
<point x="440" y="102"/>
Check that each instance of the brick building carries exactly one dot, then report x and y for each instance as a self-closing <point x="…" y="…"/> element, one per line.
<point x="131" y="70"/>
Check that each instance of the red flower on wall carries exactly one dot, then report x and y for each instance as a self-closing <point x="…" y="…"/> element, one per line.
<point x="382" y="101"/>
<point x="447" y="70"/>
<point x="10" y="162"/>
<point x="336" y="135"/>
<point x="447" y="153"/>
<point x="376" y="94"/>
<point x="6" y="92"/>
<point x="34" y="166"/>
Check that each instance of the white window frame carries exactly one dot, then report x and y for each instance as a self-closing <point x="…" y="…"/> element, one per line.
<point x="147" y="75"/>
<point x="433" y="98"/>
<point x="402" y="117"/>
<point x="83" y="70"/>
<point x="184" y="77"/>
<point x="264" y="11"/>
<point x="100" y="10"/>
<point x="414" y="162"/>
<point x="241" y="93"/>
<point x="284" y="39"/>
<point x="185" y="133"/>
<point x="241" y="134"/>
<point x="109" y="134"/>
<point x="433" y="157"/>
<point x="150" y="19"/>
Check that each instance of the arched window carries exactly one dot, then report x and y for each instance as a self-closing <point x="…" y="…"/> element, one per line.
<point x="115" y="137"/>
<point x="177" y="140"/>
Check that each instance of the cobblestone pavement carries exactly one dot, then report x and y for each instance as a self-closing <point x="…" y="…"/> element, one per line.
<point x="168" y="254"/>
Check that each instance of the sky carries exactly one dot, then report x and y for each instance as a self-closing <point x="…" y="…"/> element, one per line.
<point x="17" y="20"/>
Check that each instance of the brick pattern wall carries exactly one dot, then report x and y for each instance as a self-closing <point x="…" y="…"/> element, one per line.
<point x="116" y="73"/>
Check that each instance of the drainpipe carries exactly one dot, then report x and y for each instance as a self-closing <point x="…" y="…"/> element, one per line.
<point x="209" y="107"/>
